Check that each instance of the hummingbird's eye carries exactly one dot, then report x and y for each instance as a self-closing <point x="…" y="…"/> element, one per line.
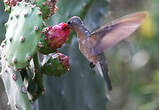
<point x="69" y="22"/>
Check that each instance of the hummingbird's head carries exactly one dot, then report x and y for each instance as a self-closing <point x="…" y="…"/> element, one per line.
<point x="74" y="22"/>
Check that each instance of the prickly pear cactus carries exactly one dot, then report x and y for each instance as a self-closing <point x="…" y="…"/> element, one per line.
<point x="23" y="34"/>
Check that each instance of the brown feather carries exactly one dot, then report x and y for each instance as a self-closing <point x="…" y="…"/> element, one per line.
<point x="110" y="34"/>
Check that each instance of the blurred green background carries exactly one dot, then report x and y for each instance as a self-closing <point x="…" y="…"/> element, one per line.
<point x="133" y="63"/>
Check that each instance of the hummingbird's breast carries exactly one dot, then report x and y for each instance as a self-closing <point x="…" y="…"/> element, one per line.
<point x="86" y="51"/>
<point x="84" y="42"/>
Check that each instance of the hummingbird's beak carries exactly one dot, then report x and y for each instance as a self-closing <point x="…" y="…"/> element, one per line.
<point x="67" y="27"/>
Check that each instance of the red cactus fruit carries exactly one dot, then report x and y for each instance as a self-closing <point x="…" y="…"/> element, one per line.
<point x="12" y="2"/>
<point x="57" y="35"/>
<point x="64" y="61"/>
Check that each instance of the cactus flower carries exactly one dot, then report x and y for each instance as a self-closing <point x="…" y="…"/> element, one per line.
<point x="57" y="35"/>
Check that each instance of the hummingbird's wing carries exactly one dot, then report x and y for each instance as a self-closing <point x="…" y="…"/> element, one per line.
<point x="110" y="34"/>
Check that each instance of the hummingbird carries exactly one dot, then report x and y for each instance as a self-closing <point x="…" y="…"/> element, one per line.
<point x="93" y="44"/>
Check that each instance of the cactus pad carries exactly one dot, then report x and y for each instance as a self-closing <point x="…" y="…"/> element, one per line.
<point x="23" y="34"/>
<point x="15" y="89"/>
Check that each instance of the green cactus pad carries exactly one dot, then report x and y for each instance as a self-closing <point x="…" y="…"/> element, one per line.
<point x="15" y="89"/>
<point x="23" y="34"/>
<point x="53" y="67"/>
<point x="33" y="82"/>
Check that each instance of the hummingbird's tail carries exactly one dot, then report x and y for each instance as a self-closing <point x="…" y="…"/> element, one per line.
<point x="103" y="70"/>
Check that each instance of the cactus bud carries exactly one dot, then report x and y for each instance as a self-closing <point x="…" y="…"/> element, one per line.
<point x="64" y="61"/>
<point x="57" y="65"/>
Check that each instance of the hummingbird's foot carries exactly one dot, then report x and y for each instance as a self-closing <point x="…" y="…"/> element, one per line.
<point x="92" y="65"/>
